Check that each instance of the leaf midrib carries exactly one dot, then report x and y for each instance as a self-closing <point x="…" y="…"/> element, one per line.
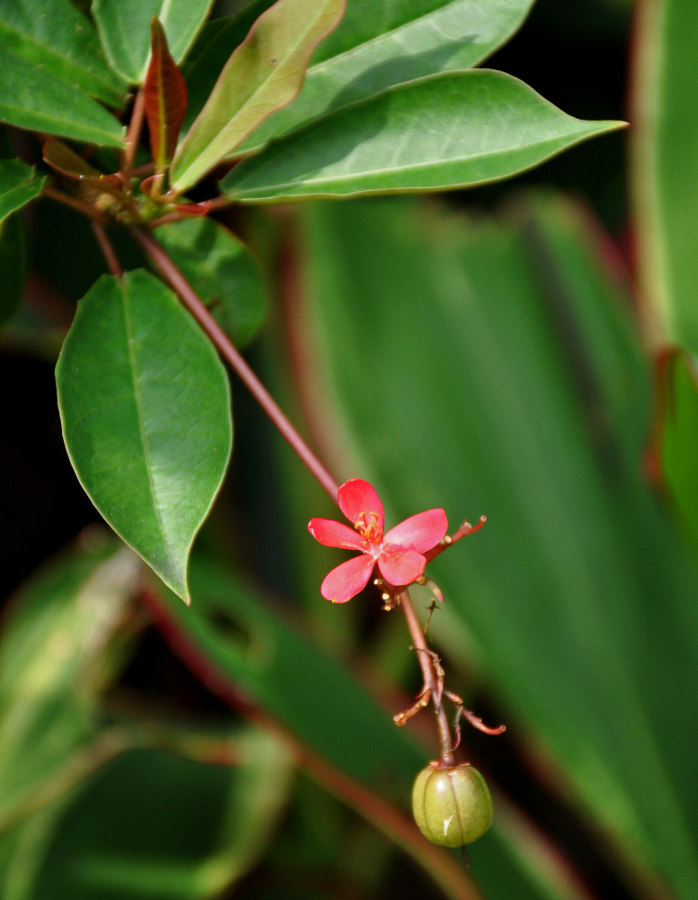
<point x="368" y="173"/>
<point x="133" y="365"/>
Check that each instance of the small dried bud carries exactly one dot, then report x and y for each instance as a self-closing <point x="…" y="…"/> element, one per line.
<point x="451" y="805"/>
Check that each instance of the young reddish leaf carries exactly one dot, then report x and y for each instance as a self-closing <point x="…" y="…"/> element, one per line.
<point x="165" y="99"/>
<point x="67" y="162"/>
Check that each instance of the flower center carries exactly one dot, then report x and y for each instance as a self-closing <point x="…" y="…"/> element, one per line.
<point x="369" y="527"/>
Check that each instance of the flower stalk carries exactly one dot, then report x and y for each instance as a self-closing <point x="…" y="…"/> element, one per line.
<point x="420" y="536"/>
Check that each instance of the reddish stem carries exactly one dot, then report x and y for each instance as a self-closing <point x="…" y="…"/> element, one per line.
<point x="465" y="529"/>
<point x="107" y="250"/>
<point x="431" y="681"/>
<point x="197" y="308"/>
<point x="443" y="867"/>
<point x="195" y="305"/>
<point x="75" y="203"/>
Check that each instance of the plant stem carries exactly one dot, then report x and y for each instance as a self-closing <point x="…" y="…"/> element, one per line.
<point x="431" y="681"/>
<point x="107" y="249"/>
<point x="230" y="353"/>
<point x="75" y="203"/>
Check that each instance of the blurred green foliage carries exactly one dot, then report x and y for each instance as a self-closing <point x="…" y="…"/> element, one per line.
<point x="489" y="353"/>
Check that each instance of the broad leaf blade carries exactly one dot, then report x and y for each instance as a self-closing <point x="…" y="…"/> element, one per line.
<point x="665" y="174"/>
<point x="380" y="45"/>
<point x="165" y="99"/>
<point x="499" y="407"/>
<point x="145" y="408"/>
<point x="448" y="131"/>
<point x="124" y="29"/>
<point x="264" y="73"/>
<point x="18" y="185"/>
<point x="31" y="98"/>
<point x="222" y="271"/>
<point x="52" y="36"/>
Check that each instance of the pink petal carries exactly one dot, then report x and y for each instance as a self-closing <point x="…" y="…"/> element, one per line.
<point x="357" y="497"/>
<point x="401" y="567"/>
<point x="420" y="532"/>
<point x="335" y="534"/>
<point x="345" y="581"/>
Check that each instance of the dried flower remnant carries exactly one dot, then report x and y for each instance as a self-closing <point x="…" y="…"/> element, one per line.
<point x="399" y="554"/>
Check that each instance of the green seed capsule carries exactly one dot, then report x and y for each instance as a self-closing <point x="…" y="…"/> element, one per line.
<point x="452" y="806"/>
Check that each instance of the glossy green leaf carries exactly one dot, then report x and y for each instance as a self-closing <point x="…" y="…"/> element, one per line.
<point x="264" y="73"/>
<point x="511" y="403"/>
<point x="58" y="41"/>
<point x="165" y="99"/>
<point x="124" y="29"/>
<point x="13" y="265"/>
<point x="18" y="185"/>
<point x="32" y="98"/>
<point x="223" y="273"/>
<point x="442" y="132"/>
<point x="665" y="171"/>
<point x="145" y="409"/>
<point x="379" y="45"/>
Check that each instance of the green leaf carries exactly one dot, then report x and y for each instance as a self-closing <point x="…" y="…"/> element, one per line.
<point x="18" y="185"/>
<point x="264" y="73"/>
<point x="32" y="98"/>
<point x="447" y="131"/>
<point x="165" y="99"/>
<point x="54" y="664"/>
<point x="145" y="408"/>
<point x="223" y="273"/>
<point x="124" y="28"/>
<point x="13" y="265"/>
<point x="665" y="172"/>
<point x="677" y="435"/>
<point x="526" y="398"/>
<point x="379" y="45"/>
<point x="52" y="37"/>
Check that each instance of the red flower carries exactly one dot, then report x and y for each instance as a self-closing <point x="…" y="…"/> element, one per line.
<point x="399" y="554"/>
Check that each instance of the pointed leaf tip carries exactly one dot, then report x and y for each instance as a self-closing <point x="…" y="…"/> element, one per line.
<point x="145" y="409"/>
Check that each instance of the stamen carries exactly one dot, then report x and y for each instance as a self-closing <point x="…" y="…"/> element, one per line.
<point x="369" y="527"/>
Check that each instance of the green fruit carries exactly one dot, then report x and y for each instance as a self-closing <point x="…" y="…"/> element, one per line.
<point x="451" y="805"/>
